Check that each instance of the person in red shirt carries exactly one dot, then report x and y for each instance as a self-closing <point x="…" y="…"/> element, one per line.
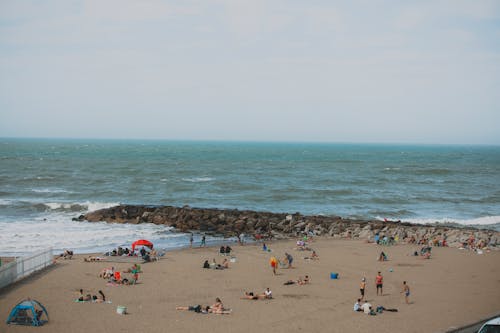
<point x="379" y="280"/>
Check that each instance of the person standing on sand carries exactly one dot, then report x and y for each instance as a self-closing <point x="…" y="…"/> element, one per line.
<point x="379" y="281"/>
<point x="191" y="240"/>
<point x="406" y="291"/>
<point x="362" y="287"/>
<point x="274" y="264"/>
<point x="203" y="241"/>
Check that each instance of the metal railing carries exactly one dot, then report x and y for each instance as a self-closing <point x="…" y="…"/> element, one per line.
<point x="24" y="266"/>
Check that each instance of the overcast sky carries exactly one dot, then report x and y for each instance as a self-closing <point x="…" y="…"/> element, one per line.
<point x="337" y="71"/>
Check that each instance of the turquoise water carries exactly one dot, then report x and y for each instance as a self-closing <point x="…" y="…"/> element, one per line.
<point x="48" y="181"/>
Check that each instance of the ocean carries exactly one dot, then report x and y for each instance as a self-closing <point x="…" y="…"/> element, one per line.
<point x="44" y="183"/>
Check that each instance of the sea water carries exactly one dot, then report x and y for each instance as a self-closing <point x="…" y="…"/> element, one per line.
<point x="44" y="183"/>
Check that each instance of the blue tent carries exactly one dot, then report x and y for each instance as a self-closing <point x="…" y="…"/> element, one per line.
<point x="28" y="312"/>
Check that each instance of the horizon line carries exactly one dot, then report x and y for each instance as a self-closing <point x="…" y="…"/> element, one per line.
<point x="396" y="143"/>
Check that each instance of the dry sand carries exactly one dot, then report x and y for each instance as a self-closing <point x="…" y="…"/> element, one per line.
<point x="454" y="288"/>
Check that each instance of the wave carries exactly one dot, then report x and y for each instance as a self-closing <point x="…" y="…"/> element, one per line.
<point x="485" y="220"/>
<point x="38" y="206"/>
<point x="59" y="233"/>
<point x="198" y="179"/>
<point x="50" y="190"/>
<point x="76" y="207"/>
<point x="432" y="172"/>
<point x="5" y="202"/>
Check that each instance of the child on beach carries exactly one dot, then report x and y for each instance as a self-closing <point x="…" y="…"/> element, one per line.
<point x="406" y="291"/>
<point x="362" y="288"/>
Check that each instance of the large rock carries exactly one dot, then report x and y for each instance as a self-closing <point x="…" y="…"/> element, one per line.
<point x="230" y="222"/>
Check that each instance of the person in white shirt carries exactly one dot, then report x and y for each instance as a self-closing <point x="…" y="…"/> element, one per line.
<point x="366" y="307"/>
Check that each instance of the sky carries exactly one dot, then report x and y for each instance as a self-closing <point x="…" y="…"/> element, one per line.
<point x="252" y="70"/>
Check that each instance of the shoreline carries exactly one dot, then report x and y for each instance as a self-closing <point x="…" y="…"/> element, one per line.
<point x="447" y="291"/>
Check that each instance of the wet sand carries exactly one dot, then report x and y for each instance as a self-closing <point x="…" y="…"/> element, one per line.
<point x="455" y="287"/>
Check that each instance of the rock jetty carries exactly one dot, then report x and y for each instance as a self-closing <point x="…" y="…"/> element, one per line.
<point x="232" y="222"/>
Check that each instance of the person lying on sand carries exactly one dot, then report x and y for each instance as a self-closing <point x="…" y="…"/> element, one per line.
<point x="300" y="281"/>
<point x="107" y="273"/>
<point x="196" y="308"/>
<point x="250" y="295"/>
<point x="314" y="256"/>
<point x="90" y="259"/>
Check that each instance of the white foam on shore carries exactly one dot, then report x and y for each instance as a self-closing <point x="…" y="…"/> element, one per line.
<point x="59" y="232"/>
<point x="87" y="205"/>
<point x="486" y="220"/>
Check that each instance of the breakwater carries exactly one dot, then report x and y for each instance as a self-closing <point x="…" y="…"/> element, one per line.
<point x="231" y="222"/>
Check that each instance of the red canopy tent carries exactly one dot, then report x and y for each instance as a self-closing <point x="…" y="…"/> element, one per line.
<point x="142" y="242"/>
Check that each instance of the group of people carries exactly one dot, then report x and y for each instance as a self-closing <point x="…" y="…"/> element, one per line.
<point x="215" y="265"/>
<point x="267" y="294"/>
<point x="379" y="283"/>
<point x="225" y="250"/>
<point x="216" y="308"/>
<point x="99" y="298"/>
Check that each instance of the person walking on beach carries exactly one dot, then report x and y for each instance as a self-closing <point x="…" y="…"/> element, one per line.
<point x="191" y="240"/>
<point x="362" y="288"/>
<point x="203" y="241"/>
<point x="379" y="281"/>
<point x="289" y="259"/>
<point x="406" y="291"/>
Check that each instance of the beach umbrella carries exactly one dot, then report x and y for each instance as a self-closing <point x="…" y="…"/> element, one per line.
<point x="142" y="242"/>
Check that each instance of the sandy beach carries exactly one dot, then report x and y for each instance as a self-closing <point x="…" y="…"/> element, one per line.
<point x="455" y="287"/>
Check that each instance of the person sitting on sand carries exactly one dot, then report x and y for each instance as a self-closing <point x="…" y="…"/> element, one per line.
<point x="228" y="250"/>
<point x="314" y="255"/>
<point x="215" y="265"/>
<point x="357" y="305"/>
<point x="366" y="307"/>
<point x="268" y="294"/>
<point x="225" y="263"/>
<point x="67" y="254"/>
<point x="84" y="298"/>
<point x="222" y="251"/>
<point x="99" y="298"/>
<point x="382" y="256"/>
<point x="218" y="307"/>
<point x="107" y="273"/>
<point x="264" y="247"/>
<point x="206" y="264"/>
<point x="134" y="269"/>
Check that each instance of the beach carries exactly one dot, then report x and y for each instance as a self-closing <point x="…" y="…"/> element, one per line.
<point x="453" y="288"/>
